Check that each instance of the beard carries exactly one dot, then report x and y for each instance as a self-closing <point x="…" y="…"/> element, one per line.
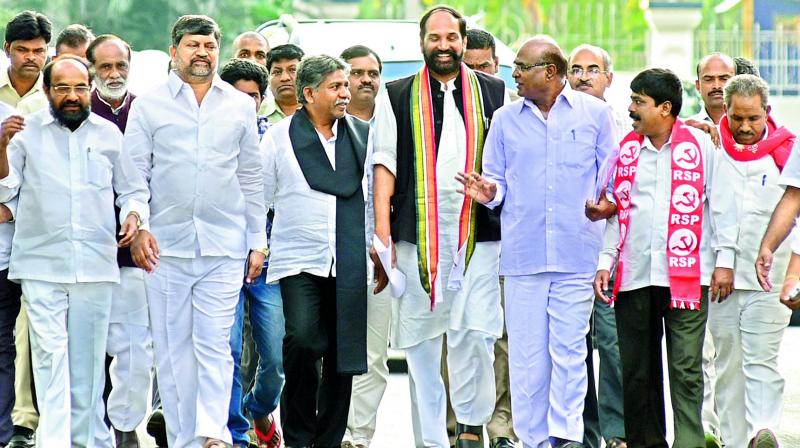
<point x="442" y="68"/>
<point x="111" y="93"/>
<point x="70" y="119"/>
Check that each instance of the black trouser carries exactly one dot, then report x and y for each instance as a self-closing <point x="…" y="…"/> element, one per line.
<point x="642" y="315"/>
<point x="9" y="309"/>
<point x="313" y="408"/>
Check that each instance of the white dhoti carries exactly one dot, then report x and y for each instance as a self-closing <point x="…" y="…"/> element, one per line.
<point x="747" y="329"/>
<point x="131" y="346"/>
<point x="471" y="316"/>
<point x="192" y="304"/>
<point x="68" y="328"/>
<point x="709" y="414"/>
<point x="547" y="318"/>
<point x="368" y="388"/>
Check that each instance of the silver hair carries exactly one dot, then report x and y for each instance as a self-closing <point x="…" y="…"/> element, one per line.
<point x="607" y="65"/>
<point x="746" y="86"/>
<point x="313" y="70"/>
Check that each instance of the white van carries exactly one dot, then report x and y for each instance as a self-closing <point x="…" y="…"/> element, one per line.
<point x="395" y="41"/>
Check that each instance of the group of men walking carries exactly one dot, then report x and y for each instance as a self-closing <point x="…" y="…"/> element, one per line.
<point x="261" y="234"/>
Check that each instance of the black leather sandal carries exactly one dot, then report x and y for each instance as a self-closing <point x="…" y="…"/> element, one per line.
<point x="469" y="429"/>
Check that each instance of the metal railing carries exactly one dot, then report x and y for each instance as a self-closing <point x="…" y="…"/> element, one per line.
<point x="776" y="53"/>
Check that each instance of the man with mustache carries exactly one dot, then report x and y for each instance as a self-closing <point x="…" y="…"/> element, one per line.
<point x="713" y="71"/>
<point x="25" y="45"/>
<point x="480" y="56"/>
<point x="194" y="139"/>
<point x="591" y="71"/>
<point x="541" y="162"/>
<point x="653" y="240"/>
<point x="62" y="164"/>
<point x="26" y="38"/>
<point x="431" y="126"/>
<point x="315" y="180"/>
<point x="747" y="323"/>
<point x="282" y="64"/>
<point x="368" y="389"/>
<point x="129" y="341"/>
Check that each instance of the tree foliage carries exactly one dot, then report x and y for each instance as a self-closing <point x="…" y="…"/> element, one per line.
<point x="146" y="24"/>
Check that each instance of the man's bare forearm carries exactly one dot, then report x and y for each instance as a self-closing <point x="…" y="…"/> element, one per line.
<point x="783" y="218"/>
<point x="383" y="190"/>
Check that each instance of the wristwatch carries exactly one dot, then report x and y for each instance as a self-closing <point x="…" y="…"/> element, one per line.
<point x="263" y="250"/>
<point x="138" y="219"/>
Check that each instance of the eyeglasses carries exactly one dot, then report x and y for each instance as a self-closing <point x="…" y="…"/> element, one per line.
<point x="591" y="72"/>
<point x="66" y="90"/>
<point x="526" y="67"/>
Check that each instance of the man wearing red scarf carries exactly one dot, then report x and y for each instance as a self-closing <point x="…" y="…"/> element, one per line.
<point x="661" y="236"/>
<point x="745" y="322"/>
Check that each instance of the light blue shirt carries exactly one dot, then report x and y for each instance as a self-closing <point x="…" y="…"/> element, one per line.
<point x="545" y="171"/>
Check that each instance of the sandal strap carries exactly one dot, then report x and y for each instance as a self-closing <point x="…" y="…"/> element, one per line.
<point x="267" y="438"/>
<point x="469" y="429"/>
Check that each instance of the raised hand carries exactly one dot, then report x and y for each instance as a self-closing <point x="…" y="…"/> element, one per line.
<point x="476" y="187"/>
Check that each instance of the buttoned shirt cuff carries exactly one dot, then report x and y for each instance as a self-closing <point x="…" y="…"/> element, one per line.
<point x="257" y="240"/>
<point x="605" y="262"/>
<point x="498" y="197"/>
<point x="381" y="158"/>
<point x="726" y="258"/>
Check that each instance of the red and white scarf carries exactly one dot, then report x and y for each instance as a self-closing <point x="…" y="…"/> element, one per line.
<point x="778" y="144"/>
<point x="685" y="224"/>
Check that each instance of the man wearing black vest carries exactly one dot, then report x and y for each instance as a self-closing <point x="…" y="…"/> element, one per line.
<point x="431" y="127"/>
<point x="314" y="180"/>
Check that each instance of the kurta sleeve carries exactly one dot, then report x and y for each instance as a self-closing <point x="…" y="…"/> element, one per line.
<point x="250" y="172"/>
<point x="268" y="155"/>
<point x="494" y="159"/>
<point x="790" y="176"/>
<point x="722" y="191"/>
<point x="385" y="135"/>
<point x="9" y="185"/>
<point x="609" y="253"/>
<point x="132" y="192"/>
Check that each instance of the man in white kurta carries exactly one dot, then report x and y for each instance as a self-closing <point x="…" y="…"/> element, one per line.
<point x="747" y="326"/>
<point x="469" y="313"/>
<point x="713" y="71"/>
<point x="62" y="167"/>
<point x="194" y="138"/>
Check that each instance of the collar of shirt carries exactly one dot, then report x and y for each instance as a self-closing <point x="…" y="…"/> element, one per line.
<point x="566" y="93"/>
<point x="5" y="80"/>
<point x="702" y="115"/>
<point x="176" y="84"/>
<point x="122" y="105"/>
<point x="335" y="129"/>
<point x="272" y="111"/>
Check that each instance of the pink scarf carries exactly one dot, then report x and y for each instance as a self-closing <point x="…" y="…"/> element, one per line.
<point x="685" y="225"/>
<point x="778" y="144"/>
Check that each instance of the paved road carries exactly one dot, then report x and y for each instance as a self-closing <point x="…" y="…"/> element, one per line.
<point x="394" y="415"/>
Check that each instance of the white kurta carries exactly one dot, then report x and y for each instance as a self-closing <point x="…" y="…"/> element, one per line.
<point x="748" y="326"/>
<point x="476" y="306"/>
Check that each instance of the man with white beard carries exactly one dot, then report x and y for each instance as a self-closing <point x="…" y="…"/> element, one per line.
<point x="129" y="341"/>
